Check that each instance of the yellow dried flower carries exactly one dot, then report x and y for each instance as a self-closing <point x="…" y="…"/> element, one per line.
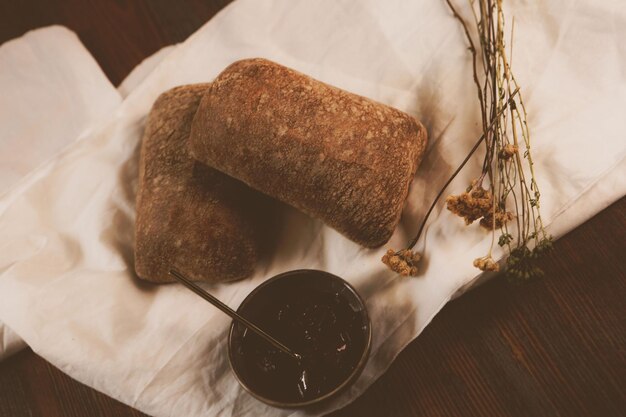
<point x="404" y="261"/>
<point x="486" y="264"/>
<point x="410" y="256"/>
<point x="471" y="205"/>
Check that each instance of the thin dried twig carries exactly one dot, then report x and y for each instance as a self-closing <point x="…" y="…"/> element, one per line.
<point x="511" y="174"/>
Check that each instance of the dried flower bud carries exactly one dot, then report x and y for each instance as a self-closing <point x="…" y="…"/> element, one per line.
<point x="507" y="151"/>
<point x="501" y="218"/>
<point x="404" y="261"/>
<point x="486" y="264"/>
<point x="471" y="205"/>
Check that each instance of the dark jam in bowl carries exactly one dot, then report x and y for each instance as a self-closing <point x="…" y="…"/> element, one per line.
<point x="316" y="314"/>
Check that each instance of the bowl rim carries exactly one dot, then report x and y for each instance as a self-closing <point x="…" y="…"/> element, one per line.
<point x="349" y="380"/>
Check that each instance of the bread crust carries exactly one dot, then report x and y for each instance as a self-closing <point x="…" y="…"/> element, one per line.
<point x="336" y="156"/>
<point x="189" y="216"/>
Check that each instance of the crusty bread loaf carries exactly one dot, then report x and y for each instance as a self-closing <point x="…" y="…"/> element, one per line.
<point x="189" y="215"/>
<point x="336" y="156"/>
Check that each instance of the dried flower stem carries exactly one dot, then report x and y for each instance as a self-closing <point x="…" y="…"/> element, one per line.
<point x="503" y="163"/>
<point x="415" y="239"/>
<point x="505" y="133"/>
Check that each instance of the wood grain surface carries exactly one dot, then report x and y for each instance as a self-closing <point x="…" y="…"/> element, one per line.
<point x="553" y="347"/>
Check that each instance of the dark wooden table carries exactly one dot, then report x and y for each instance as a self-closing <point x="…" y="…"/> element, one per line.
<point x="556" y="346"/>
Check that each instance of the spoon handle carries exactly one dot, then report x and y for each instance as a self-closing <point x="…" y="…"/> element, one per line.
<point x="232" y="313"/>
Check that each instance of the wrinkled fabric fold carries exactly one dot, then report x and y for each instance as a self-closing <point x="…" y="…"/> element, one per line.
<point x="48" y="81"/>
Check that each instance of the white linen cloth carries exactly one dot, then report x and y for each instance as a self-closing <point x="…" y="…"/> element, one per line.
<point x="66" y="281"/>
<point x="48" y="82"/>
<point x="48" y="75"/>
<point x="52" y="91"/>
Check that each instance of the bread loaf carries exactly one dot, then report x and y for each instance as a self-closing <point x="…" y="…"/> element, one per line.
<point x="189" y="215"/>
<point x="336" y="156"/>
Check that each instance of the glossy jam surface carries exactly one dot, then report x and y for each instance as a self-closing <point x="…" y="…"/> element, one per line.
<point x="322" y="321"/>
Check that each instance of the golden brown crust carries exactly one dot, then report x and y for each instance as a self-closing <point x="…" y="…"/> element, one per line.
<point x="189" y="215"/>
<point x="335" y="155"/>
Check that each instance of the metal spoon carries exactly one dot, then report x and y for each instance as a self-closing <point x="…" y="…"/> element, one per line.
<point x="232" y="313"/>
